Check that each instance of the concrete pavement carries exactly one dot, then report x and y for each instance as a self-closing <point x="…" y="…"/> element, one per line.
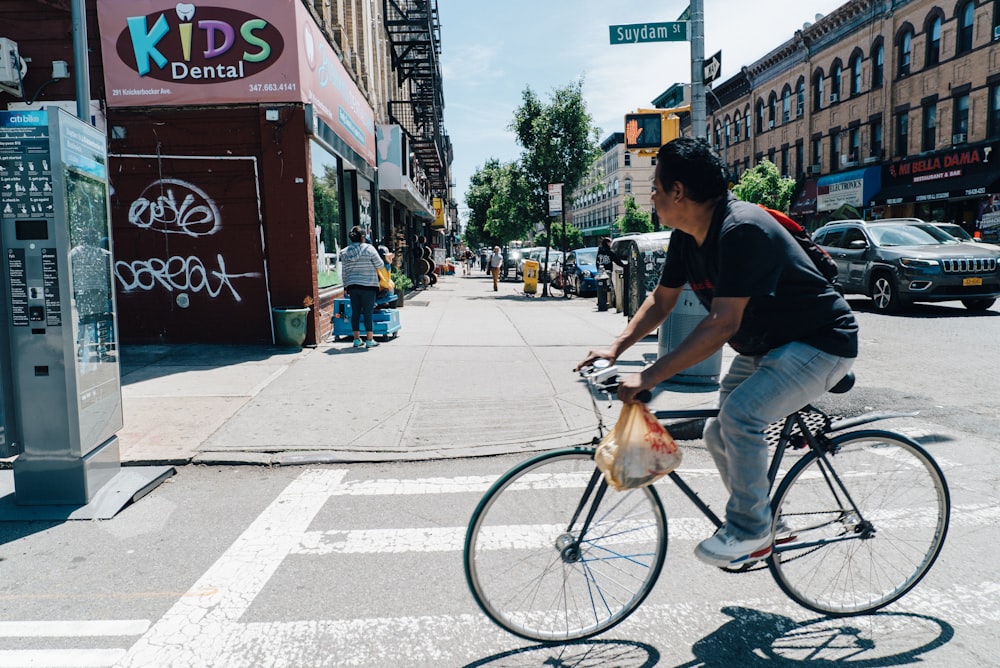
<point x="473" y="372"/>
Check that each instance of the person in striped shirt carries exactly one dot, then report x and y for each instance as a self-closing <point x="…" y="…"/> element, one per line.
<point x="360" y="262"/>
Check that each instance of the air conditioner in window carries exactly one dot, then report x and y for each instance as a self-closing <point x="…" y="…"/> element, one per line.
<point x="958" y="138"/>
<point x="770" y="125"/>
<point x="785" y="116"/>
<point x="814" y="169"/>
<point x="870" y="159"/>
<point x="800" y="109"/>
<point x="996" y="33"/>
<point x="834" y="97"/>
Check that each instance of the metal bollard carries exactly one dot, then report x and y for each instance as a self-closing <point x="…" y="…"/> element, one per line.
<point x="602" y="291"/>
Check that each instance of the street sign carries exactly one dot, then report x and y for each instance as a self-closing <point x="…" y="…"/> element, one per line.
<point x="555" y="199"/>
<point x="638" y="33"/>
<point x="713" y="68"/>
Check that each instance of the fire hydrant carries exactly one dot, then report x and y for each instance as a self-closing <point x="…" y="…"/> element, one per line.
<point x="602" y="290"/>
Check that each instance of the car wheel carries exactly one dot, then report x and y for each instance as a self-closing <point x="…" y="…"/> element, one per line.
<point x="884" y="294"/>
<point x="978" y="305"/>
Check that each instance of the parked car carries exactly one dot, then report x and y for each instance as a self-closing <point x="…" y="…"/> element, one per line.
<point x="955" y="230"/>
<point x="525" y="255"/>
<point x="898" y="261"/>
<point x="581" y="267"/>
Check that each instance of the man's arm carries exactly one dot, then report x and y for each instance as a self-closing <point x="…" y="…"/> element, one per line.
<point x="722" y="322"/>
<point x="653" y="311"/>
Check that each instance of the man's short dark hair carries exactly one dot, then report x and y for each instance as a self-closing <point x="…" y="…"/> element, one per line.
<point x="692" y="162"/>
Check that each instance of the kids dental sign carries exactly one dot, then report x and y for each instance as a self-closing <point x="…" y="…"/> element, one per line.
<point x="162" y="53"/>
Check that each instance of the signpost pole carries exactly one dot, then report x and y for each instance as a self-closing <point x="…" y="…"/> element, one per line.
<point x="697" y="37"/>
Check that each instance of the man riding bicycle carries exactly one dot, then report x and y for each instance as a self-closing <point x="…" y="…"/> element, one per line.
<point x="795" y="335"/>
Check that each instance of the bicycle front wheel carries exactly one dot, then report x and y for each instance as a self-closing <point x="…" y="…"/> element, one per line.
<point x="556" y="286"/>
<point x="530" y="572"/>
<point x="834" y="560"/>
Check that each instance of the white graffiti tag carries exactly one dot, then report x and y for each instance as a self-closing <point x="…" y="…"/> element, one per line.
<point x="184" y="274"/>
<point x="196" y="215"/>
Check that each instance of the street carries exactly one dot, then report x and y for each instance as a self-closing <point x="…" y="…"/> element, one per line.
<point x="360" y="565"/>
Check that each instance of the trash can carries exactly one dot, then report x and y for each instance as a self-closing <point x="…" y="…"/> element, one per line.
<point x="645" y="255"/>
<point x="682" y="320"/>
<point x="530" y="270"/>
<point x="290" y="326"/>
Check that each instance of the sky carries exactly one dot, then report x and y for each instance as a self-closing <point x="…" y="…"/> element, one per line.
<point x="492" y="50"/>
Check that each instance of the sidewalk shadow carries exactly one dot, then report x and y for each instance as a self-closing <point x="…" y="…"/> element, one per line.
<point x="167" y="357"/>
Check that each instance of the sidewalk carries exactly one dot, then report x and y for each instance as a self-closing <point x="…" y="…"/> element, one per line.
<point x="473" y="372"/>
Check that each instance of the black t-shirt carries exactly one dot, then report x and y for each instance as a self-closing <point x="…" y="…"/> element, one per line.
<point x="748" y="254"/>
<point x="607" y="258"/>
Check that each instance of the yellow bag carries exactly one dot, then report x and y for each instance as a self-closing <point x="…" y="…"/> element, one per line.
<point x="638" y="451"/>
<point x="385" y="279"/>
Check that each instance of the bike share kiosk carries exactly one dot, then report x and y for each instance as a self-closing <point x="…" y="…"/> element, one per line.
<point x="59" y="354"/>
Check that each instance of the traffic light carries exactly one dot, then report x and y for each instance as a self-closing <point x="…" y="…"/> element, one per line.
<point x="643" y="130"/>
<point x="648" y="129"/>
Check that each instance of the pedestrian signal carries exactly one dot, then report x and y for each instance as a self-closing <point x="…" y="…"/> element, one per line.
<point x="643" y="130"/>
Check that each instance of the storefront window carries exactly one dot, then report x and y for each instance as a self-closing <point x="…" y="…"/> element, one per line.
<point x="326" y="215"/>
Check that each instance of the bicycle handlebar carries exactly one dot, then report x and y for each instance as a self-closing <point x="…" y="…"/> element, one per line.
<point x="605" y="379"/>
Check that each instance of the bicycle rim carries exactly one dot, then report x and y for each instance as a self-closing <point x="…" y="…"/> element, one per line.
<point x="826" y="558"/>
<point x="514" y="558"/>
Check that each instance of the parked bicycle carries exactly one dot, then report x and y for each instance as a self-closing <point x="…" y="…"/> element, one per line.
<point x="561" y="281"/>
<point x="552" y="554"/>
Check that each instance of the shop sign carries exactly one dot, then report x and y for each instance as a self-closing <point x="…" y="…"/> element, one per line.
<point x="941" y="165"/>
<point x="836" y="190"/>
<point x="162" y="53"/>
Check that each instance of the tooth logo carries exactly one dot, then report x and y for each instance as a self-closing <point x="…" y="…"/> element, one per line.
<point x="185" y="11"/>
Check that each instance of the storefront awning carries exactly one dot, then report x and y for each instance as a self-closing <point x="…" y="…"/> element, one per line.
<point x="970" y="185"/>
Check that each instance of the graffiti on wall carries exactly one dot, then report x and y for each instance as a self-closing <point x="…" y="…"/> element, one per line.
<point x="174" y="206"/>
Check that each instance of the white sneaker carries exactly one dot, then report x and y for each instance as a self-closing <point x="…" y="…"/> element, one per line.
<point x="726" y="551"/>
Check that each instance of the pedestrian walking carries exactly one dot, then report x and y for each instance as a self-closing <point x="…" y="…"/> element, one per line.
<point x="361" y="262"/>
<point x="483" y="260"/>
<point x="496" y="261"/>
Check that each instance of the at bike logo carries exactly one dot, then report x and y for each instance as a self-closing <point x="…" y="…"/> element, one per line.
<point x="199" y="45"/>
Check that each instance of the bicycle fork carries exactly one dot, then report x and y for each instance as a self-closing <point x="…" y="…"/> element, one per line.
<point x="566" y="543"/>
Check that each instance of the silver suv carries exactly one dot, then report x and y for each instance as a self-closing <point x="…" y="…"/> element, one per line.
<point x="898" y="261"/>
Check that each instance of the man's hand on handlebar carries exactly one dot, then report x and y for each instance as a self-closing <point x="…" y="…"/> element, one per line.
<point x="595" y="355"/>
<point x="630" y="388"/>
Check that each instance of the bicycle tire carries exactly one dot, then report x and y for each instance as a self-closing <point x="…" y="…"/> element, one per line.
<point x="556" y="287"/>
<point x="513" y="556"/>
<point x="825" y="558"/>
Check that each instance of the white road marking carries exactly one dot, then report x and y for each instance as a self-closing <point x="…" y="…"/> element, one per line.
<point x="60" y="658"/>
<point x="187" y="634"/>
<point x="74" y="628"/>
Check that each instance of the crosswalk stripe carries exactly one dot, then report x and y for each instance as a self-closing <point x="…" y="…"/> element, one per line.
<point x="74" y="628"/>
<point x="59" y="658"/>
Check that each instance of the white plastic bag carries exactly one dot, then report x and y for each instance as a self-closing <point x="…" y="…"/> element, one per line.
<point x="638" y="451"/>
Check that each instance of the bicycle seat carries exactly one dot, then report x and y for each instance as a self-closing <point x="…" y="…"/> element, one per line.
<point x="844" y="384"/>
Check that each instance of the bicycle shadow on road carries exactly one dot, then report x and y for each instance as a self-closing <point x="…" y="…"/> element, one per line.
<point x="756" y="639"/>
<point x="579" y="654"/>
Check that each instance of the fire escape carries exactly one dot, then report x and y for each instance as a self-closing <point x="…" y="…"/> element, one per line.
<point x="415" y="40"/>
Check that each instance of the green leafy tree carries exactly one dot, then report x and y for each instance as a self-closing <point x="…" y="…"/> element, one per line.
<point x="510" y="215"/>
<point x="763" y="184"/>
<point x="479" y="198"/>
<point x="559" y="145"/>
<point x="634" y="220"/>
<point x="574" y="238"/>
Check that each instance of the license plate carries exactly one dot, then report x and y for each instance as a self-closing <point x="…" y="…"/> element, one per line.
<point x="972" y="281"/>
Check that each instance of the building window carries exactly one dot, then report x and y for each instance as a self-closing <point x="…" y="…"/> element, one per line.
<point x="800" y="99"/>
<point x="628" y="185"/>
<point x="818" y="90"/>
<point x="878" y="65"/>
<point x="993" y="122"/>
<point x="772" y="109"/>
<point x="960" y="120"/>
<point x="905" y="52"/>
<point x="835" y="152"/>
<point x="726" y="132"/>
<point x="746" y="123"/>
<point x="760" y="116"/>
<point x="856" y="75"/>
<point x="799" y="159"/>
<point x="902" y="134"/>
<point x="817" y="152"/>
<point x="933" y="42"/>
<point x="854" y="141"/>
<point x="628" y="159"/>
<point x="966" y="14"/>
<point x="784" y="162"/>
<point x="786" y="105"/>
<point x="835" y="82"/>
<point x="737" y="124"/>
<point x="929" y="131"/>
<point x="876" y="139"/>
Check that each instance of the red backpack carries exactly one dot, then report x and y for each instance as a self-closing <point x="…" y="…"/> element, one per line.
<point x="824" y="263"/>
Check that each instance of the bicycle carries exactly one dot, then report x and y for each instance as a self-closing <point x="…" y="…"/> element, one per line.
<point x="551" y="563"/>
<point x="561" y="283"/>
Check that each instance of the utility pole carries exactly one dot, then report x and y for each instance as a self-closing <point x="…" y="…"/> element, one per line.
<point x="698" y="69"/>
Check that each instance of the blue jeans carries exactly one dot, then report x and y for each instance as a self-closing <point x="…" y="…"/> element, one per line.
<point x="757" y="391"/>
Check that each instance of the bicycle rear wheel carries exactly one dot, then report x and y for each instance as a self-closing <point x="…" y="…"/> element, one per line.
<point x="832" y="560"/>
<point x="557" y="287"/>
<point x="520" y="558"/>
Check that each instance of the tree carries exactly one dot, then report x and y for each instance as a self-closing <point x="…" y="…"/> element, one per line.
<point x="763" y="184"/>
<point x="559" y="145"/>
<point x="634" y="220"/>
<point x="574" y="238"/>
<point x="479" y="198"/>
